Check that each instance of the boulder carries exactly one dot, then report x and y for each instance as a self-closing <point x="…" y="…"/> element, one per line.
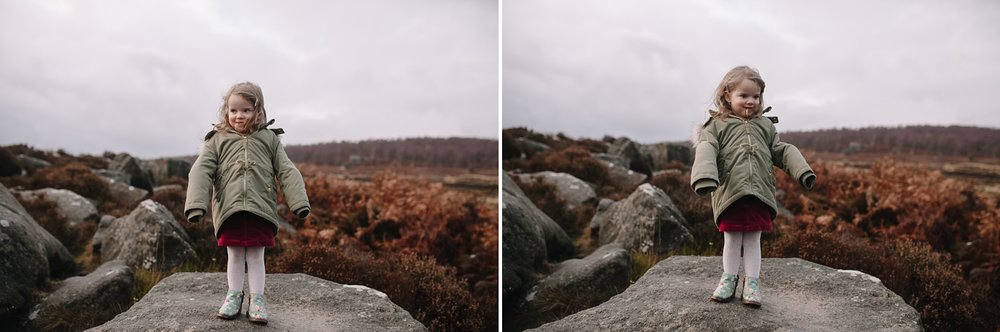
<point x="573" y="191"/>
<point x="29" y="255"/>
<point x="9" y="165"/>
<point x="162" y="169"/>
<point x="31" y="164"/>
<point x="798" y="295"/>
<point x="599" y="216"/>
<point x="529" y="239"/>
<point x="646" y="220"/>
<point x="148" y="237"/>
<point x="668" y="172"/>
<point x="590" y="280"/>
<point x="529" y="147"/>
<point x="662" y="154"/>
<point x="630" y="151"/>
<point x="617" y="160"/>
<point x="129" y="165"/>
<point x="169" y="187"/>
<point x="114" y="176"/>
<point x="123" y="192"/>
<point x="75" y="208"/>
<point x="188" y="301"/>
<point x="624" y="177"/>
<point x="102" y="294"/>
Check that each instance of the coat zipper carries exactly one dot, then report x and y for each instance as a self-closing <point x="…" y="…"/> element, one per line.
<point x="750" y="153"/>
<point x="245" y="158"/>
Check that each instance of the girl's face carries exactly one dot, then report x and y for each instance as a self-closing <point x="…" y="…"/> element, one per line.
<point x="240" y="113"/>
<point x="744" y="98"/>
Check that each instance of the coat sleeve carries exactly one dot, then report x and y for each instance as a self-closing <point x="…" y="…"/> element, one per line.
<point x="200" y="182"/>
<point x="705" y="171"/>
<point x="788" y="158"/>
<point x="291" y="182"/>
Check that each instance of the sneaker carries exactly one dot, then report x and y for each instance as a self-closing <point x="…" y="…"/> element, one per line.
<point x="256" y="312"/>
<point x="726" y="289"/>
<point x="751" y="292"/>
<point x="232" y="306"/>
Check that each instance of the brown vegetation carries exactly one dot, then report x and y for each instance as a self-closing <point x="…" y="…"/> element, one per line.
<point x="931" y="238"/>
<point x="433" y="250"/>
<point x="971" y="143"/>
<point x="462" y="153"/>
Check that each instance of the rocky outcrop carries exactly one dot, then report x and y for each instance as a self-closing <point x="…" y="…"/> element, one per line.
<point x="529" y="147"/>
<point x="599" y="216"/>
<point x="645" y="221"/>
<point x="591" y="280"/>
<point x="114" y="176"/>
<point x="75" y="208"/>
<point x="31" y="164"/>
<point x="614" y="159"/>
<point x="529" y="239"/>
<point x="29" y="255"/>
<point x="295" y="302"/>
<point x="798" y="295"/>
<point x="630" y="151"/>
<point x="124" y="193"/>
<point x="161" y="170"/>
<point x="102" y="294"/>
<point x="661" y="155"/>
<point x="573" y="191"/>
<point x="149" y="237"/>
<point x="168" y="188"/>
<point x="623" y="177"/>
<point x="129" y="165"/>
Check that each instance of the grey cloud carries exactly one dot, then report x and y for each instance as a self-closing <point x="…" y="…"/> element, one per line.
<point x="646" y="69"/>
<point x="146" y="78"/>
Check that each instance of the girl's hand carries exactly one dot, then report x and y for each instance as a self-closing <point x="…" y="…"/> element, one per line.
<point x="194" y="216"/>
<point x="302" y="213"/>
<point x="808" y="180"/>
<point x="705" y="186"/>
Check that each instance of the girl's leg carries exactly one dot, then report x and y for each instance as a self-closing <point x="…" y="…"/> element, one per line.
<point x="751" y="257"/>
<point x="236" y="267"/>
<point x="751" y="253"/>
<point x="731" y="251"/>
<point x="233" y="303"/>
<point x="726" y="289"/>
<point x="255" y="269"/>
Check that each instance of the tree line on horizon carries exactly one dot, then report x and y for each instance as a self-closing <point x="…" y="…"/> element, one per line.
<point x="959" y="141"/>
<point x="453" y="152"/>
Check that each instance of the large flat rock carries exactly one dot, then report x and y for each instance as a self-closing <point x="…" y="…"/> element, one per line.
<point x="295" y="302"/>
<point x="798" y="295"/>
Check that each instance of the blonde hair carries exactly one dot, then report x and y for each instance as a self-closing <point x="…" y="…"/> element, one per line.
<point x="729" y="82"/>
<point x="252" y="93"/>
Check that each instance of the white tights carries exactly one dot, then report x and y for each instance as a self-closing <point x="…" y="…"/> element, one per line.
<point x="250" y="258"/>
<point x="750" y="242"/>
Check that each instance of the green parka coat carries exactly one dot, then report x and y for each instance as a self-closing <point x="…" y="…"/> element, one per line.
<point x="237" y="172"/>
<point x="734" y="158"/>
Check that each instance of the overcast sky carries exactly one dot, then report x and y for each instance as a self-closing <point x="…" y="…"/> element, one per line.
<point x="647" y="69"/>
<point x="147" y="77"/>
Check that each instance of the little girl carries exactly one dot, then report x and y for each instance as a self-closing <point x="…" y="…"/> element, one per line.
<point x="240" y="161"/>
<point x="734" y="154"/>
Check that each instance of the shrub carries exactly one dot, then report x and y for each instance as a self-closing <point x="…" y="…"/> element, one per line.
<point x="76" y="177"/>
<point x="696" y="209"/>
<point x="8" y="163"/>
<point x="431" y="293"/>
<point x="923" y="278"/>
<point x="46" y="214"/>
<point x="395" y="215"/>
<point x="575" y="222"/>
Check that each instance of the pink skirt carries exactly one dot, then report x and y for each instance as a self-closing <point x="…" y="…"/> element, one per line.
<point x="747" y="214"/>
<point x="245" y="229"/>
